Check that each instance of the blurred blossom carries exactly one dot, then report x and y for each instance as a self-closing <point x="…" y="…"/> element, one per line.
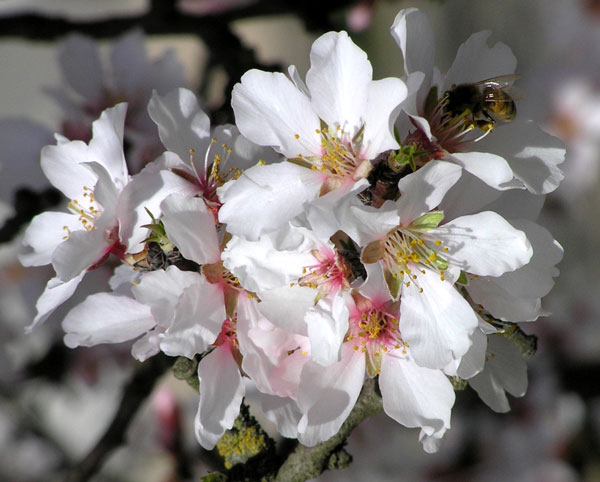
<point x="211" y="7"/>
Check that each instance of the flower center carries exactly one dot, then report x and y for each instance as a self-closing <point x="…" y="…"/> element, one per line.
<point x="328" y="275"/>
<point x="404" y="248"/>
<point x="87" y="210"/>
<point x="228" y="333"/>
<point x="374" y="331"/>
<point x="339" y="159"/>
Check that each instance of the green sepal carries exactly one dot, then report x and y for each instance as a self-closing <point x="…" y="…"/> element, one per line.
<point x="440" y="263"/>
<point x="393" y="283"/>
<point x="428" y="221"/>
<point x="462" y="279"/>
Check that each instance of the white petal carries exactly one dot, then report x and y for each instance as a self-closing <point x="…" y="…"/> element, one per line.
<point x="161" y="291"/>
<point x="383" y="106"/>
<point x="55" y="294"/>
<point x="271" y="111"/>
<point x="475" y="61"/>
<point x="199" y="315"/>
<point x="437" y="323"/>
<point x="265" y="198"/>
<point x="533" y="155"/>
<point x="413" y="34"/>
<point x="80" y="62"/>
<point x="327" y="395"/>
<point x="338" y="81"/>
<point x="106" y="318"/>
<point x="283" y="412"/>
<point x="45" y="232"/>
<point x="182" y="124"/>
<point x="146" y="191"/>
<point x="147" y="346"/>
<point x="106" y="146"/>
<point x="81" y="251"/>
<point x="472" y="362"/>
<point x="366" y="223"/>
<point x="415" y="396"/>
<point x="62" y="166"/>
<point x="286" y="306"/>
<point x="490" y="168"/>
<point x="469" y="195"/>
<point x="505" y="369"/>
<point x="221" y="393"/>
<point x="275" y="260"/>
<point x="484" y="244"/>
<point x="327" y="325"/>
<point x="191" y="227"/>
<point x="424" y="189"/>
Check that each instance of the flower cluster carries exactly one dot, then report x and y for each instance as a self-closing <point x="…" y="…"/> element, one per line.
<point x="345" y="228"/>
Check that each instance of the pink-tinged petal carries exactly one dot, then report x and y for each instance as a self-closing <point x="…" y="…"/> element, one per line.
<point x="505" y="370"/>
<point x="437" y="323"/>
<point x="62" y="166"/>
<point x="221" y="393"/>
<point x="182" y="124"/>
<point x="199" y="316"/>
<point x="146" y="191"/>
<point x="161" y="290"/>
<point x="44" y="234"/>
<point x="147" y="346"/>
<point x="130" y="65"/>
<point x="81" y="251"/>
<point x="191" y="227"/>
<point x="286" y="307"/>
<point x="490" y="168"/>
<point x="81" y="66"/>
<point x="413" y="34"/>
<point x="276" y="259"/>
<point x="265" y="198"/>
<point x="327" y="324"/>
<point x="375" y="287"/>
<point x="271" y="111"/>
<point x="415" y="396"/>
<point x="475" y="61"/>
<point x="338" y="81"/>
<point x="283" y="412"/>
<point x="383" y="106"/>
<point x="533" y="154"/>
<point x="106" y="318"/>
<point x="106" y="146"/>
<point x="55" y="294"/>
<point x="327" y="395"/>
<point x="423" y="190"/>
<point x="484" y="244"/>
<point x="265" y="349"/>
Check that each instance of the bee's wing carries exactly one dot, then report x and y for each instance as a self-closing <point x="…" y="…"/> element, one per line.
<point x="499" y="82"/>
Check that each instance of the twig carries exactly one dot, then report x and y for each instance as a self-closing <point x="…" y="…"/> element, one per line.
<point x="134" y="395"/>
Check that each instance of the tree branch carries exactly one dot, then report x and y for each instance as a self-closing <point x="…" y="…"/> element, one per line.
<point x="134" y="395"/>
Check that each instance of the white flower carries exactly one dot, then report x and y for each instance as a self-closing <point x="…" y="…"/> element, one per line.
<point x="336" y="125"/>
<point x="93" y="177"/>
<point x="421" y="258"/>
<point x="516" y="154"/>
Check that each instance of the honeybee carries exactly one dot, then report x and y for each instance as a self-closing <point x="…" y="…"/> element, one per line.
<point x="483" y="102"/>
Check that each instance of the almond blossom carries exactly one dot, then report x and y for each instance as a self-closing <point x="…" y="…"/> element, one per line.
<point x="329" y="130"/>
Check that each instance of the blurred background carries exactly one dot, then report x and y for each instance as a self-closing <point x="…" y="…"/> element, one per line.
<point x="55" y="403"/>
